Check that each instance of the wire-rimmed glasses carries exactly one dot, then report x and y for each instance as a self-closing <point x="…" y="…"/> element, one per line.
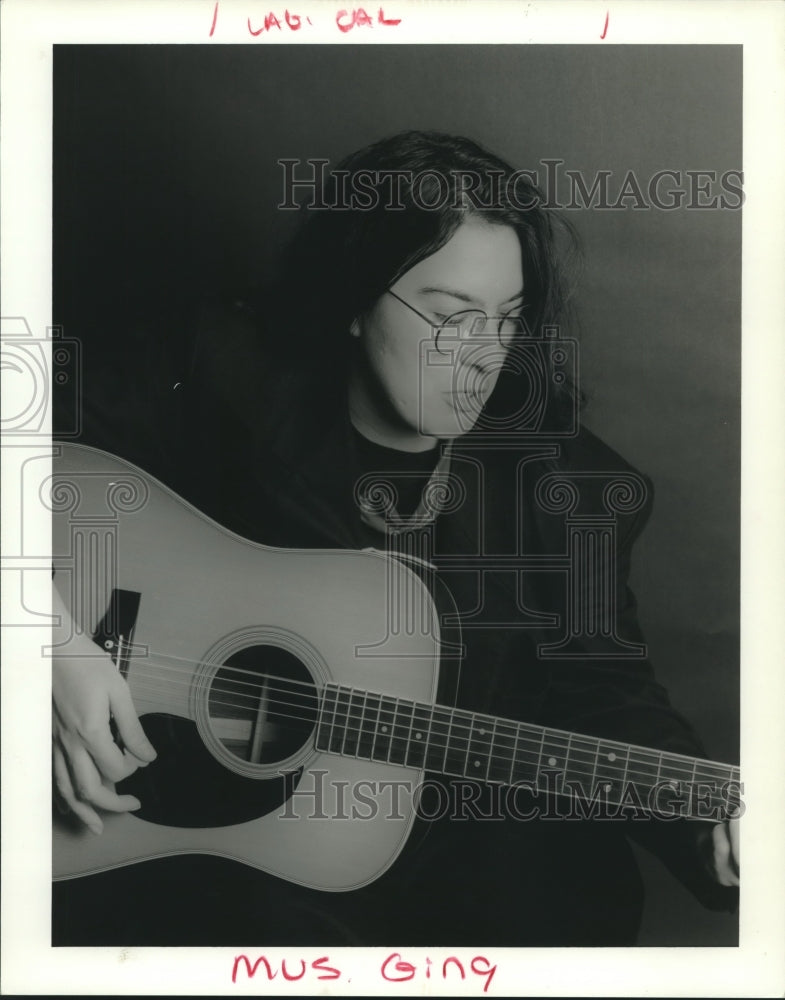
<point x="469" y="323"/>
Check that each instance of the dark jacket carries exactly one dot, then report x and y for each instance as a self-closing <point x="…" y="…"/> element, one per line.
<point x="267" y="448"/>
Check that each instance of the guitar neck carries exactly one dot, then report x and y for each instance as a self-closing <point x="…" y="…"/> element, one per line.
<point x="457" y="743"/>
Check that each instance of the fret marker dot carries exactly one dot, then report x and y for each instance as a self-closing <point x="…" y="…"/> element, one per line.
<point x="476" y="763"/>
<point x="418" y="736"/>
<point x="482" y="732"/>
<point x="384" y="729"/>
<point x="608" y="788"/>
<point x="552" y="761"/>
<point x="611" y="756"/>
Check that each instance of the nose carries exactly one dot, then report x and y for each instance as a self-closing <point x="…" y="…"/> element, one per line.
<point x="477" y="368"/>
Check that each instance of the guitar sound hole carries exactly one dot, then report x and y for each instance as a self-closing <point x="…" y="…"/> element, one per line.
<point x="262" y="704"/>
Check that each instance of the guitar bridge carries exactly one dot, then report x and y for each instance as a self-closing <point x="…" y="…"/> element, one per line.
<point x="115" y="630"/>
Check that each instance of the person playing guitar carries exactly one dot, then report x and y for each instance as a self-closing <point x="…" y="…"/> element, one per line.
<point x="404" y="388"/>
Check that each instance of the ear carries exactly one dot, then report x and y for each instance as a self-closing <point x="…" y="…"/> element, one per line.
<point x="354" y="328"/>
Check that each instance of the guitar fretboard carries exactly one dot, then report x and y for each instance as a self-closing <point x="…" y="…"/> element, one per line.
<point x="458" y="743"/>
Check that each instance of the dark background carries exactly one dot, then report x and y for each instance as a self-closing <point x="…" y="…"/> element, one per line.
<point x="166" y="186"/>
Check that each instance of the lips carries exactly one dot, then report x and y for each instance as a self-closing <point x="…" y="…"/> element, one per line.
<point x="466" y="400"/>
<point x="464" y="394"/>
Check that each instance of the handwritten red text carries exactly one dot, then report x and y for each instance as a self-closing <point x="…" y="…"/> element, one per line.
<point x="396" y="970"/>
<point x="359" y="18"/>
<point x="290" y="21"/>
<point x="292" y="972"/>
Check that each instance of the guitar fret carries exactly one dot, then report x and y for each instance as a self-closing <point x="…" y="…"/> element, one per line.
<point x="428" y="732"/>
<point x="490" y="752"/>
<point x="716" y="795"/>
<point x="676" y="769"/>
<point x="409" y="734"/>
<point x="371" y="708"/>
<point x="399" y="738"/>
<point x="437" y="741"/>
<point x="328" y="698"/>
<point x="724" y="785"/>
<point x="583" y="760"/>
<point x="455" y="742"/>
<point x="593" y="779"/>
<point x="722" y="772"/>
<point x="340" y="721"/>
<point x="607" y="780"/>
<point x="642" y="774"/>
<point x="468" y="747"/>
<point x="515" y="754"/>
<point x="351" y="735"/>
<point x="418" y="740"/>
<point x="392" y="730"/>
<point x="346" y="727"/>
<point x="361" y="749"/>
<point x="341" y="748"/>
<point x="381" y="740"/>
<point x="356" y="719"/>
<point x="554" y="748"/>
<point x="540" y="754"/>
<point x="333" y="719"/>
<point x="502" y="761"/>
<point x="479" y="747"/>
<point x="459" y="742"/>
<point x="447" y="744"/>
<point x="528" y="759"/>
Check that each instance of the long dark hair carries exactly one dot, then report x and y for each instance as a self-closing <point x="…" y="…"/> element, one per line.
<point x="344" y="257"/>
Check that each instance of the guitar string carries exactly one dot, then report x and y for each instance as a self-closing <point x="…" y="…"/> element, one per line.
<point x="498" y="756"/>
<point x="454" y="712"/>
<point x="470" y="718"/>
<point x="522" y="764"/>
<point x="523" y="759"/>
<point x="612" y="745"/>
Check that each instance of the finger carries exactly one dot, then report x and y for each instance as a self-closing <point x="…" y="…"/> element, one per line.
<point x="722" y="856"/>
<point x="733" y="832"/>
<point x="91" y="790"/>
<point x="128" y="725"/>
<point x="65" y="789"/>
<point x="108" y="757"/>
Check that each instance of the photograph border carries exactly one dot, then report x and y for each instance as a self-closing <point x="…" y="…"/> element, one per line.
<point x="29" y="30"/>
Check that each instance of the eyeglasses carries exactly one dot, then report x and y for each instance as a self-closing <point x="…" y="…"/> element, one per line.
<point x="469" y="322"/>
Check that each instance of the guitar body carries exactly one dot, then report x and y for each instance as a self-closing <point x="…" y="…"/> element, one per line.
<point x="227" y="647"/>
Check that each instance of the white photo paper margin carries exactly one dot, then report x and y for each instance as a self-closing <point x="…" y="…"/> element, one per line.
<point x="757" y="967"/>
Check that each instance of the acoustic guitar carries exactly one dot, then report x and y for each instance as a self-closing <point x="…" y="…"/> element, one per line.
<point x="291" y="694"/>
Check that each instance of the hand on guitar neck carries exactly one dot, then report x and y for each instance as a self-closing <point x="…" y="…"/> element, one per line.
<point x="88" y="692"/>
<point x="718" y="846"/>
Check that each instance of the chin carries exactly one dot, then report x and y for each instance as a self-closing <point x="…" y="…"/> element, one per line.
<point x="451" y="427"/>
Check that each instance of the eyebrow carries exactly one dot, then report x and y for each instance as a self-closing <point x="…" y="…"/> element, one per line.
<point x="462" y="296"/>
